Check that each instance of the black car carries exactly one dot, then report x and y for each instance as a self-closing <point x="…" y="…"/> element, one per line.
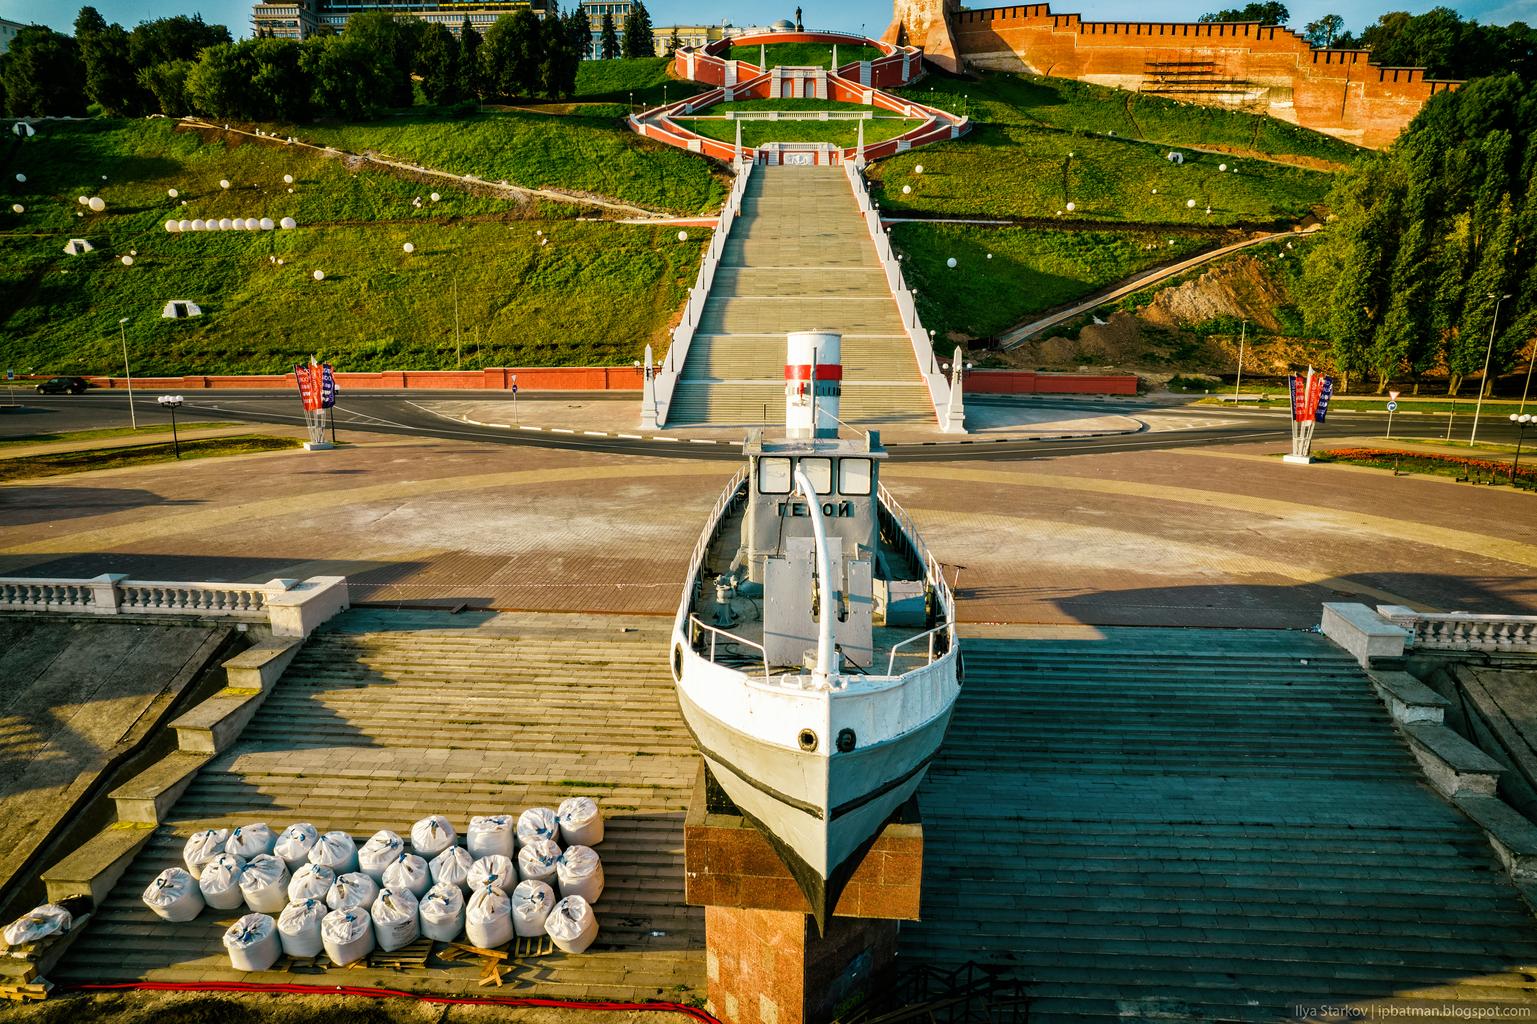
<point x="63" y="385"/>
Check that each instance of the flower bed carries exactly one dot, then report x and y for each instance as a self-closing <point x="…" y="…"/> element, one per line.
<point x="1460" y="466"/>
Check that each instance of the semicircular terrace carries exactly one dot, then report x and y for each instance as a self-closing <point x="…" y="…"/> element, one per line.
<point x="861" y="81"/>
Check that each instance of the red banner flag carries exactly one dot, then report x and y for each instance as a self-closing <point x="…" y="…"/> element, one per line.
<point x="309" y="387"/>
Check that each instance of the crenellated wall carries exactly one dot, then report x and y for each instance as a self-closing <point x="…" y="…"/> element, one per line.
<point x="1261" y="68"/>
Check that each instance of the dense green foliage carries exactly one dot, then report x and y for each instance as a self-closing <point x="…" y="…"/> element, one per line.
<point x="1028" y="272"/>
<point x="576" y="153"/>
<point x="1429" y="235"/>
<point x="595" y="292"/>
<point x="1447" y="46"/>
<point x="1266" y="12"/>
<point x="802" y="55"/>
<point x="637" y="33"/>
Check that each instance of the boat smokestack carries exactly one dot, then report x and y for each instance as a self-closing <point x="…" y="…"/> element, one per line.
<point x="813" y="383"/>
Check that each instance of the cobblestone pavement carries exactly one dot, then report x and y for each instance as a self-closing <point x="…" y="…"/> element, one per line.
<point x="1214" y="536"/>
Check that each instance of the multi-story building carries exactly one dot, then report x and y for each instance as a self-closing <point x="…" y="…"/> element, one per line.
<point x="619" y="10"/>
<point x="8" y="30"/>
<point x="691" y="35"/>
<point x="300" y="19"/>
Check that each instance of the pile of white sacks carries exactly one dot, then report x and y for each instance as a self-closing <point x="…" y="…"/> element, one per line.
<point x="330" y="895"/>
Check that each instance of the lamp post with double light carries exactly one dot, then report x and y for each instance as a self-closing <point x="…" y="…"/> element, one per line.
<point x="122" y="333"/>
<point x="1522" y="421"/>
<point x="172" y="402"/>
<point x="1483" y="382"/>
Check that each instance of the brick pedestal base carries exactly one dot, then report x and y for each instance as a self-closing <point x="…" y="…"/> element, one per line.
<point x="765" y="961"/>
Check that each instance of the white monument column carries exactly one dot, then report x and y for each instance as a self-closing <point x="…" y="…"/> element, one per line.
<point x="648" y="394"/>
<point x="955" y="415"/>
<point x="859" y="153"/>
<point x="739" y="148"/>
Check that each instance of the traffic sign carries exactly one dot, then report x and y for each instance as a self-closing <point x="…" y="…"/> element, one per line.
<point x="1392" y="407"/>
<point x="1392" y="396"/>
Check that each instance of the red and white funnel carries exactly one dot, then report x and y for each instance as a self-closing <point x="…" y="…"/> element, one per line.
<point x="813" y="383"/>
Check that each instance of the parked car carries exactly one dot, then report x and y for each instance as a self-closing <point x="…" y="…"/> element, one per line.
<point x="63" y="385"/>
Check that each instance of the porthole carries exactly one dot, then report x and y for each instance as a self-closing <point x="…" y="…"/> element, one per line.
<point x="807" y="739"/>
<point x="846" y="740"/>
<point x="677" y="663"/>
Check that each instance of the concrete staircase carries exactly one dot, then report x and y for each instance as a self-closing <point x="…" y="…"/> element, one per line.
<point x="386" y="717"/>
<point x="799" y="258"/>
<point x="1204" y="825"/>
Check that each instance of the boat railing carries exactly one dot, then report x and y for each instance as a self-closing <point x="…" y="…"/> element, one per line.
<point x="891" y="664"/>
<point x="716" y="634"/>
<point x="707" y="538"/>
<point x="933" y="572"/>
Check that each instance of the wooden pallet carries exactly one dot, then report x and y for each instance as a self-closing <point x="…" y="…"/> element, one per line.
<point x="414" y="955"/>
<point x="306" y="964"/>
<point x="34" y="992"/>
<point x="496" y="964"/>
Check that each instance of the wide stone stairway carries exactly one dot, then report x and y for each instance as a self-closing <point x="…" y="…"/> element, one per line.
<point x="799" y="258"/>
<point x="1205" y="825"/>
<point x="390" y="716"/>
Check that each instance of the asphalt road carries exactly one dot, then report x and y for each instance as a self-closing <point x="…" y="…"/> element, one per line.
<point x="397" y="413"/>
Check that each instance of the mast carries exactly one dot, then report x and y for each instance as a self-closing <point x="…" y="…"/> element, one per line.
<point x="821" y="675"/>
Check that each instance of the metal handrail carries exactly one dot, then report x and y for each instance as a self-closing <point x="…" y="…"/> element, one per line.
<point x="892" y="662"/>
<point x="734" y="638"/>
<point x="702" y="545"/>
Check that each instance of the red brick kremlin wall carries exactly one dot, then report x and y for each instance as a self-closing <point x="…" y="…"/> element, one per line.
<point x="1261" y="68"/>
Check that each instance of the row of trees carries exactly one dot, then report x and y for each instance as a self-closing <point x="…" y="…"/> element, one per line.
<point x="637" y="40"/>
<point x="1426" y="238"/>
<point x="1440" y="40"/>
<point x="180" y="65"/>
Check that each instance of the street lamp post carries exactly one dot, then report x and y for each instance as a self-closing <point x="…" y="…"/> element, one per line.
<point x="173" y="402"/>
<point x="1243" y="334"/>
<point x="1522" y="421"/>
<point x="1483" y="382"/>
<point x="1530" y="359"/>
<point x="122" y="333"/>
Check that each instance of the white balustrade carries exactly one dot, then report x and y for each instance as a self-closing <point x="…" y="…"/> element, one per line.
<point x="292" y="607"/>
<point x="1462" y="631"/>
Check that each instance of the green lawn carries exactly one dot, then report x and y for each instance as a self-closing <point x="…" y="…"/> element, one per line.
<point x="579" y="153"/>
<point x="29" y="467"/>
<point x="1030" y="271"/>
<point x="839" y="133"/>
<point x="1066" y="105"/>
<point x="596" y="293"/>
<point x="803" y="55"/>
<point x="106" y="433"/>
<point x="644" y="78"/>
<point x="1013" y="170"/>
<point x="787" y="103"/>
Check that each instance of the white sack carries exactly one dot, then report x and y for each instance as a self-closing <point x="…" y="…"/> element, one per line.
<point x="488" y="918"/>
<point x="220" y="881"/>
<point x="294" y="845"/>
<point x="348" y="935"/>
<point x="253" y="943"/>
<point x="489" y="835"/>
<point x="580" y="873"/>
<point x="203" y="847"/>
<point x="352" y="891"/>
<point x="493" y="870"/>
<point x="572" y="925"/>
<point x="310" y="882"/>
<point x="264" y="884"/>
<point x="408" y="872"/>
<point x="453" y="867"/>
<point x="442" y="912"/>
<point x="379" y="853"/>
<point x="395" y="923"/>
<point x="537" y="823"/>
<point x="537" y="860"/>
<point x="38" y="923"/>
<point x="531" y="904"/>
<point x="335" y="850"/>
<point x="249" y="840"/>
<point x="581" y="823"/>
<point x="432" y="835"/>
<point x="299" y="927"/>
<point x="174" y="895"/>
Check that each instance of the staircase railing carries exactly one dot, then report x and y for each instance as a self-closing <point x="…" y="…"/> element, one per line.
<point x="907" y="306"/>
<point x="1461" y="631"/>
<point x="693" y="306"/>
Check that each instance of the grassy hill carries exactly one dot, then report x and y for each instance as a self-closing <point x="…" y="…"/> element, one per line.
<point x="803" y="55"/>
<point x="645" y="79"/>
<point x="595" y="292"/>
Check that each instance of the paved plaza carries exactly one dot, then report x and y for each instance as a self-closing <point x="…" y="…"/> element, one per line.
<point x="1221" y="536"/>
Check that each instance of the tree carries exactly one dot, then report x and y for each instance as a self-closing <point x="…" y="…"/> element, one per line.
<point x="437" y="61"/>
<point x="528" y="53"/>
<point x="392" y="42"/>
<point x="88" y="22"/>
<point x="167" y="83"/>
<point x="578" y="34"/>
<point x="608" y="39"/>
<point x="674" y="42"/>
<point x="280" y="88"/>
<point x="637" y="32"/>
<point x="110" y="81"/>
<point x="1323" y="32"/>
<point x="510" y="57"/>
<point x="469" y="60"/>
<point x="1268" y="12"/>
<point x="346" y="81"/>
<point x="177" y="38"/>
<point x="561" y="58"/>
<point x="219" y="83"/>
<point x="44" y="74"/>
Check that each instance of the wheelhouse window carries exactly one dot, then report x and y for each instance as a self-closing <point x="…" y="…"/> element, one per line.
<point x="820" y="473"/>
<point x="773" y="476"/>
<point x="853" y="476"/>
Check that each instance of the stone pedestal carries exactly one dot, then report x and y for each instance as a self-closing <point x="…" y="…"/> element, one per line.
<point x="765" y="961"/>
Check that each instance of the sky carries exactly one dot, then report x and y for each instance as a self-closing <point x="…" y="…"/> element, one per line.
<point x="849" y="15"/>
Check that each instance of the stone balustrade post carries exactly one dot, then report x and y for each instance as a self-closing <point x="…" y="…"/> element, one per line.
<point x="104" y="593"/>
